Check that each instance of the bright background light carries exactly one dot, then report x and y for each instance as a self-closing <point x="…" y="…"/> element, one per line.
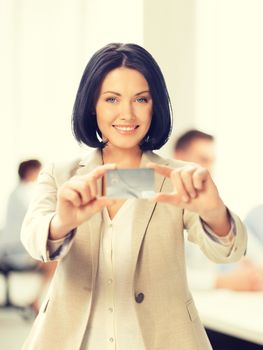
<point x="210" y="52"/>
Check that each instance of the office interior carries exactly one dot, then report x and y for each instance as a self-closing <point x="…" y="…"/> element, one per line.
<point x="211" y="55"/>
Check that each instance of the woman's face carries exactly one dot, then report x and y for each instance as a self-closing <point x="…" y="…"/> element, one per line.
<point x="124" y="108"/>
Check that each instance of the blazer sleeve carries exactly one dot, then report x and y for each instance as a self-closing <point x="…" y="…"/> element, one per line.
<point x="215" y="250"/>
<point x="35" y="227"/>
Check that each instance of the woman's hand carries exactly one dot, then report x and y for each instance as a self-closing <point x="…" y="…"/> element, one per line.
<point x="77" y="201"/>
<point x="194" y="189"/>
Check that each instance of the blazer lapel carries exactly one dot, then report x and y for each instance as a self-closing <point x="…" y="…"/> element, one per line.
<point x="144" y="209"/>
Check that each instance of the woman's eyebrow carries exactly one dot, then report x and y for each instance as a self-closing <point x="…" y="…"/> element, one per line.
<point x="142" y="92"/>
<point x="111" y="92"/>
<point x="118" y="94"/>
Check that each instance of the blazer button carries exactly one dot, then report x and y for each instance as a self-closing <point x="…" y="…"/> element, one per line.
<point x="139" y="298"/>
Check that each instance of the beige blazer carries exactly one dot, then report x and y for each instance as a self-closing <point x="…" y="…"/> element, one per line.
<point x="166" y="311"/>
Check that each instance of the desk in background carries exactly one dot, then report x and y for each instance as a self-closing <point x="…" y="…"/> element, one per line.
<point x="239" y="314"/>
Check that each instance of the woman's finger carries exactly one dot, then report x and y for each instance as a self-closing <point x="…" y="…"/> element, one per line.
<point x="178" y="185"/>
<point x="71" y="196"/>
<point x="97" y="204"/>
<point x="200" y="176"/>
<point x="93" y="186"/>
<point x="187" y="180"/>
<point x="82" y="188"/>
<point x="172" y="198"/>
<point x="100" y="171"/>
<point x="86" y="185"/>
<point x="161" y="169"/>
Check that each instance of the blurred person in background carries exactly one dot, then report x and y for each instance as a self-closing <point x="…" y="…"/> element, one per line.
<point x="197" y="147"/>
<point x="13" y="253"/>
<point x="247" y="275"/>
<point x="13" y="256"/>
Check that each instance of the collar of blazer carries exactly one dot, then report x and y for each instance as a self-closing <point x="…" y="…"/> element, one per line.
<point x="142" y="213"/>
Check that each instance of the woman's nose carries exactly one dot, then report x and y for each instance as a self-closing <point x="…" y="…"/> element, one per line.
<point x="126" y="112"/>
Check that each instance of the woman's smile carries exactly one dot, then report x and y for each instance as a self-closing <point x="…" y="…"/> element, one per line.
<point x="124" y="109"/>
<point x="126" y="129"/>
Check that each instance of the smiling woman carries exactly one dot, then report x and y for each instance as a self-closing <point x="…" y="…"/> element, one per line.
<point x="128" y="77"/>
<point x="124" y="114"/>
<point x="121" y="280"/>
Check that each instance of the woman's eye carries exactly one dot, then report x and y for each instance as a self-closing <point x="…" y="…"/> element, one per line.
<point x="111" y="99"/>
<point x="142" y="99"/>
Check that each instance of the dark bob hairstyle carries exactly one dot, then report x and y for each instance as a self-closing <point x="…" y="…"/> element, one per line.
<point x="111" y="56"/>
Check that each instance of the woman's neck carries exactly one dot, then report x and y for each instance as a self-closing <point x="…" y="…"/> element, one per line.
<point x="123" y="158"/>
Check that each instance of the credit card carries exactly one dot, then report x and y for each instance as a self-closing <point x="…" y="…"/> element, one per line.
<point x="130" y="183"/>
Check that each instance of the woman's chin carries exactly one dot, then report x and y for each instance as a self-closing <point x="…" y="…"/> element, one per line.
<point x="123" y="145"/>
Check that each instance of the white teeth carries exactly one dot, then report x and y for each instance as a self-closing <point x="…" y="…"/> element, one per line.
<point x="125" y="128"/>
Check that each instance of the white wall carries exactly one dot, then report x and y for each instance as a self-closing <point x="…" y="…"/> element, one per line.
<point x="169" y="34"/>
<point x="210" y="52"/>
<point x="47" y="45"/>
<point x="229" y="90"/>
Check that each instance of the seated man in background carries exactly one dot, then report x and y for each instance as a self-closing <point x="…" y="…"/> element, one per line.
<point x="247" y="275"/>
<point x="12" y="252"/>
<point x="197" y="147"/>
<point x="13" y="256"/>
